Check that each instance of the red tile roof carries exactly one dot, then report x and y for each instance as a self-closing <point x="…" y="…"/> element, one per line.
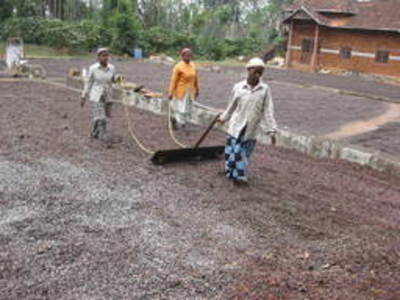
<point x="352" y="14"/>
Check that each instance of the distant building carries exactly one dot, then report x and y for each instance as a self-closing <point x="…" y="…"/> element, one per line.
<point x="355" y="35"/>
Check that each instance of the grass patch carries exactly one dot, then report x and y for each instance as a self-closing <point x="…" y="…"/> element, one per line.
<point x="35" y="51"/>
<point x="223" y="63"/>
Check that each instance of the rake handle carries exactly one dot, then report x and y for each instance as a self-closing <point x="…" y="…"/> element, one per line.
<point x="201" y="139"/>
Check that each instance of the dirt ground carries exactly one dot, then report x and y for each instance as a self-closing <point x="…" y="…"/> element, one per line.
<point x="80" y="221"/>
<point x="354" y="84"/>
<point x="385" y="139"/>
<point x="300" y="110"/>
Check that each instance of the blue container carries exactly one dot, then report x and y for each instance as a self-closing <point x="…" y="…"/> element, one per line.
<point x="138" y="53"/>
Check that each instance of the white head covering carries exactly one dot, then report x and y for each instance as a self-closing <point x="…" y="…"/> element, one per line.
<point x="101" y="50"/>
<point x="184" y="50"/>
<point x="255" y="62"/>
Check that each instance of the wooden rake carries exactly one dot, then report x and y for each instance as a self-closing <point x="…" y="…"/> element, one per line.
<point x="196" y="153"/>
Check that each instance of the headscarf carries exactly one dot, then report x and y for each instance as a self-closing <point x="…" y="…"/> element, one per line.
<point x="101" y="50"/>
<point x="255" y="62"/>
<point x="184" y="50"/>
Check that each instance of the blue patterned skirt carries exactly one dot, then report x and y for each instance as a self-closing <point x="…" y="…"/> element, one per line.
<point x="237" y="155"/>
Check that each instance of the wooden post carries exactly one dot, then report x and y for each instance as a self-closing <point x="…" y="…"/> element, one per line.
<point x="289" y="46"/>
<point x="315" y="50"/>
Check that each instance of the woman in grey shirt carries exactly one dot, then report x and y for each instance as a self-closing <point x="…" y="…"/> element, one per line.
<point x="97" y="89"/>
<point x="251" y="108"/>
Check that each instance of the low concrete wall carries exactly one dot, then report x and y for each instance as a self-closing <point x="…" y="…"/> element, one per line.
<point x="310" y="145"/>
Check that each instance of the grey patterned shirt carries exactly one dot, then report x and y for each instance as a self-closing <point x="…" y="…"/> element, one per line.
<point x="99" y="82"/>
<point x="251" y="106"/>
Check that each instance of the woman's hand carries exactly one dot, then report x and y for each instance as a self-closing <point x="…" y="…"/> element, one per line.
<point x="220" y="120"/>
<point x="108" y="106"/>
<point x="273" y="140"/>
<point x="272" y="134"/>
<point x="83" y="100"/>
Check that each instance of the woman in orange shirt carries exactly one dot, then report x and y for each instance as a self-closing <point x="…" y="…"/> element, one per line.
<point x="184" y="88"/>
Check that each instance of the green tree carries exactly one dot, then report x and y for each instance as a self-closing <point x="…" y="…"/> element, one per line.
<point x="121" y="24"/>
<point x="6" y="9"/>
<point x="214" y="28"/>
<point x="26" y="8"/>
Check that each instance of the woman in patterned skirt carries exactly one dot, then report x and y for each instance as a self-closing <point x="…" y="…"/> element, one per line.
<point x="97" y="89"/>
<point x="251" y="107"/>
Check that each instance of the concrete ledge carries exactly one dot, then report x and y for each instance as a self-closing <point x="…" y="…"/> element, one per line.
<point x="356" y="155"/>
<point x="310" y="145"/>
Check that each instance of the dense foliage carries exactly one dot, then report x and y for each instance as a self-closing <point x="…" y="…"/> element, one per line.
<point x="216" y="29"/>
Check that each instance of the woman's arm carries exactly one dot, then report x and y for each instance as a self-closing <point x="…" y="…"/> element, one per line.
<point x="269" y="118"/>
<point x="174" y="81"/>
<point x="226" y="115"/>
<point x="88" y="84"/>
<point x="196" y="85"/>
<point x="114" y="76"/>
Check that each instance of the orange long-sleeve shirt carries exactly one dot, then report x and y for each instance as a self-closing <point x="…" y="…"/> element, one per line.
<point x="184" y="80"/>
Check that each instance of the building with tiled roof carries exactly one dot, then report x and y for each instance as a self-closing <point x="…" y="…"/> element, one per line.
<point x="354" y="35"/>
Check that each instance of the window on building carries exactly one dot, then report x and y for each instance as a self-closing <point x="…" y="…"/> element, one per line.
<point x="345" y="53"/>
<point x="382" y="56"/>
<point x="307" y="45"/>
